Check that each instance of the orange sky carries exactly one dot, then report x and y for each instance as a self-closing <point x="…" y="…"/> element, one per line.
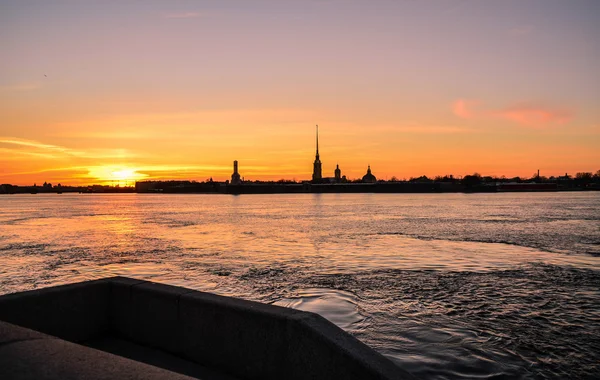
<point x="95" y="93"/>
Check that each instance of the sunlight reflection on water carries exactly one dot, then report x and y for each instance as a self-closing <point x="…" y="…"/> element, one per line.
<point x="446" y="285"/>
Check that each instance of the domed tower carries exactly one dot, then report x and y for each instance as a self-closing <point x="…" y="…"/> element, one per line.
<point x="235" y="177"/>
<point x="317" y="177"/>
<point x="369" y="177"/>
<point x="338" y="173"/>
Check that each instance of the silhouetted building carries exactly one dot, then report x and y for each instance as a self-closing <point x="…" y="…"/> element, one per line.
<point x="235" y="177"/>
<point x="317" y="176"/>
<point x="338" y="173"/>
<point x="369" y="177"/>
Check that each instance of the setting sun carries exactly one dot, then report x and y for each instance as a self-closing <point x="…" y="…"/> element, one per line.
<point x="124" y="175"/>
<point x="116" y="175"/>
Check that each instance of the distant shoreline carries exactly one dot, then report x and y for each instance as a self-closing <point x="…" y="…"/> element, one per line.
<point x="174" y="187"/>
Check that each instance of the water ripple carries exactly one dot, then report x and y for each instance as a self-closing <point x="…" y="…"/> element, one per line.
<point x="447" y="286"/>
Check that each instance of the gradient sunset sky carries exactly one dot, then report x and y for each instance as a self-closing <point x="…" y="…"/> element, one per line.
<point x="95" y="91"/>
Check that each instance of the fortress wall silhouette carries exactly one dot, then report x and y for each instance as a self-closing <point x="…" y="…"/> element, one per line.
<point x="245" y="339"/>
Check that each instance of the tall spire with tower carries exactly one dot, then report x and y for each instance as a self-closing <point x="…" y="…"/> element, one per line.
<point x="317" y="176"/>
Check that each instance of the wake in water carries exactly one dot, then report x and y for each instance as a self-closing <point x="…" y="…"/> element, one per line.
<point x="539" y="321"/>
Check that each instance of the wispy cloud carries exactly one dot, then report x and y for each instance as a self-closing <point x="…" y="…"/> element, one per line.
<point x="33" y="144"/>
<point x="16" y="155"/>
<point x="66" y="171"/>
<point x="171" y="125"/>
<point x="535" y="115"/>
<point x="36" y="148"/>
<point x="21" y="87"/>
<point x="523" y="114"/>
<point x="116" y="134"/>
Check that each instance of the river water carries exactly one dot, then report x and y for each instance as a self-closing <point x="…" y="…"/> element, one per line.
<point x="445" y="285"/>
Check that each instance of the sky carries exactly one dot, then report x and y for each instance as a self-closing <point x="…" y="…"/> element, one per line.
<point x="118" y="91"/>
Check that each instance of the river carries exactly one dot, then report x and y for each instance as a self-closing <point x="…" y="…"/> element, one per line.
<point x="446" y="285"/>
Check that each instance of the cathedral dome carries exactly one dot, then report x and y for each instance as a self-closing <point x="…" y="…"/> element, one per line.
<point x="369" y="177"/>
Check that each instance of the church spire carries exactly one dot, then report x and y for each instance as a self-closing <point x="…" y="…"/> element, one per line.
<point x="317" y="142"/>
<point x="317" y="174"/>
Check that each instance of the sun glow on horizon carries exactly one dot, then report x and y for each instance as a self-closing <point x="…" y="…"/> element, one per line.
<point x="125" y="174"/>
<point x="117" y="175"/>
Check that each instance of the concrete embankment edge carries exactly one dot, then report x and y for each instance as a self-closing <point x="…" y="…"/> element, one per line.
<point x="247" y="339"/>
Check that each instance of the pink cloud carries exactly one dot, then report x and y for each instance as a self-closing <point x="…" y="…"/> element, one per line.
<point x="535" y="116"/>
<point x="526" y="115"/>
<point x="464" y="108"/>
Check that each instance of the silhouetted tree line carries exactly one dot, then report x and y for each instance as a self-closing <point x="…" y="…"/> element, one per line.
<point x="581" y="178"/>
<point x="58" y="188"/>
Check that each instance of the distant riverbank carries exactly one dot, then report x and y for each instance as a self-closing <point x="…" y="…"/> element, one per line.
<point x="448" y="184"/>
<point x="306" y="188"/>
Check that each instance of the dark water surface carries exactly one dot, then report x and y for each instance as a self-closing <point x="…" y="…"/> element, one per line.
<point x="446" y="285"/>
